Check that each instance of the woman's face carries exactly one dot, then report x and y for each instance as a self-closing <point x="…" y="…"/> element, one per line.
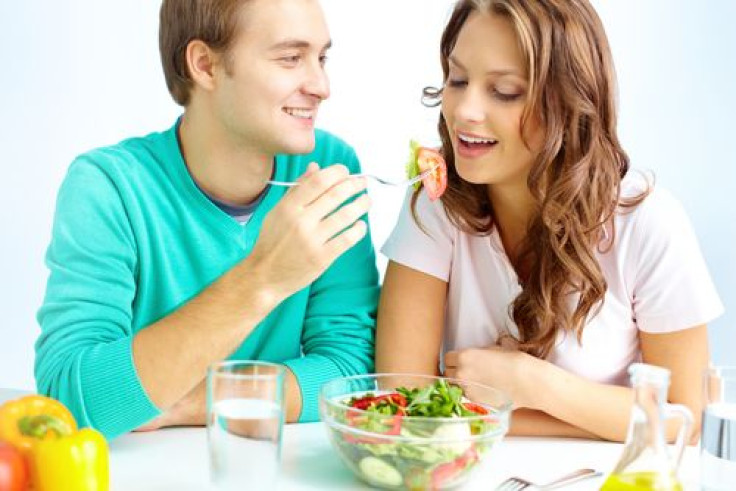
<point x="483" y="100"/>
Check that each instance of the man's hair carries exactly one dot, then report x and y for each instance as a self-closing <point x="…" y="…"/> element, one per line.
<point x="214" y="22"/>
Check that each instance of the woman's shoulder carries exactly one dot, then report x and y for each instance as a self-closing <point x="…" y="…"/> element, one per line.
<point x="656" y="226"/>
<point x="436" y="210"/>
<point x="655" y="206"/>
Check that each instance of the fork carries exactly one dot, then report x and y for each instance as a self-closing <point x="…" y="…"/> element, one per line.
<point x="517" y="483"/>
<point x="405" y="182"/>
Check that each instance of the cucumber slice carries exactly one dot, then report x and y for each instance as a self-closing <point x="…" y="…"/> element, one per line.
<point x="380" y="471"/>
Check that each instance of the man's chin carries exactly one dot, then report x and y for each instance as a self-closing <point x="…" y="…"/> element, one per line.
<point x="299" y="148"/>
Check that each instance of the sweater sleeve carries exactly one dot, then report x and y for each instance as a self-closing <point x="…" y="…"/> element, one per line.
<point x="84" y="352"/>
<point x="338" y="337"/>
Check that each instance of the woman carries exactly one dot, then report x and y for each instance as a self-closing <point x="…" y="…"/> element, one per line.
<point x="547" y="268"/>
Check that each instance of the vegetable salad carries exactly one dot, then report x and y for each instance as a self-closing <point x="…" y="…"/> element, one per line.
<point x="421" y="438"/>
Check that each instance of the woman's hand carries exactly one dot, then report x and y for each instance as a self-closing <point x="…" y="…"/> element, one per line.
<point x="506" y="369"/>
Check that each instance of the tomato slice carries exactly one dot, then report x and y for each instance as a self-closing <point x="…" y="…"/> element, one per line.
<point x="445" y="473"/>
<point x="436" y="182"/>
<point x="476" y="408"/>
<point x="395" y="398"/>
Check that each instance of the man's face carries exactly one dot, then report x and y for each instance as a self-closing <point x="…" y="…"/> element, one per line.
<point x="269" y="90"/>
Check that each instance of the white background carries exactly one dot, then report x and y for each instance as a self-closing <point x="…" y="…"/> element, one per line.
<point x="79" y="74"/>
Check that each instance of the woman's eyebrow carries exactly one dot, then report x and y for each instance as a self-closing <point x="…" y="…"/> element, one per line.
<point x="497" y="72"/>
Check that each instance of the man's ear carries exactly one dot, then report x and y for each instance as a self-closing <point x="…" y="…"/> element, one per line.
<point x="201" y="62"/>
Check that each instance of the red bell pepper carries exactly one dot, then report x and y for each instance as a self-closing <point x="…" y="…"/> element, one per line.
<point x="476" y="408"/>
<point x="355" y="418"/>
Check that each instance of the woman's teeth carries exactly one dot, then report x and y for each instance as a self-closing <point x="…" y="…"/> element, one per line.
<point x="472" y="140"/>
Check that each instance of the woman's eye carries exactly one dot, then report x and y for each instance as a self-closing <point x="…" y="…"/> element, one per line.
<point x="456" y="82"/>
<point x="505" y="96"/>
<point x="323" y="59"/>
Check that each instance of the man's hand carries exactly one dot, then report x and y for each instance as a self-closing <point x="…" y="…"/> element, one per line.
<point x="192" y="409"/>
<point x="189" y="411"/>
<point x="307" y="230"/>
<point x="299" y="239"/>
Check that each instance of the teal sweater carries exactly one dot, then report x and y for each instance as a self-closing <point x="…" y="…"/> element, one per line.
<point x="134" y="239"/>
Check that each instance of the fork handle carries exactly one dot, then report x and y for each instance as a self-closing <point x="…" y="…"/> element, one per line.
<point x="578" y="475"/>
<point x="287" y="184"/>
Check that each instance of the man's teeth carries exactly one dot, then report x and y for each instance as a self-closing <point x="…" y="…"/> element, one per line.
<point x="300" y="113"/>
<point x="475" y="140"/>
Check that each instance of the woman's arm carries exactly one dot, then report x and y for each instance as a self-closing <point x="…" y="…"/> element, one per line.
<point x="687" y="356"/>
<point x="411" y="315"/>
<point x="604" y="410"/>
<point x="599" y="409"/>
<point x="528" y="422"/>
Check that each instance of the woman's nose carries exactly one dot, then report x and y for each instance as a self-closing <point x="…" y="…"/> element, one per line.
<point x="469" y="108"/>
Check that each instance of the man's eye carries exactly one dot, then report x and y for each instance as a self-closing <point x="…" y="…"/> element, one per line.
<point x="323" y="59"/>
<point x="291" y="60"/>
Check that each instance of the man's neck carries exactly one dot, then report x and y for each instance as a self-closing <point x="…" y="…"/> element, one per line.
<point x="225" y="169"/>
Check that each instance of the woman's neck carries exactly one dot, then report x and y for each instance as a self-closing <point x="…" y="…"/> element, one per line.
<point x="513" y="209"/>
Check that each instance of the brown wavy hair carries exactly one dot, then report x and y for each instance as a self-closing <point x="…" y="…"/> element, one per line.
<point x="576" y="177"/>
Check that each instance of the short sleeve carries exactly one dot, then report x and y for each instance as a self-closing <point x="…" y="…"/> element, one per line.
<point x="428" y="248"/>
<point x="672" y="287"/>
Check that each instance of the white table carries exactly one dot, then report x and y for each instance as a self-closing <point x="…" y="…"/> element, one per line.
<point x="176" y="458"/>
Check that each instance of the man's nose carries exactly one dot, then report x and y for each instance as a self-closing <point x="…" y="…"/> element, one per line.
<point x="318" y="84"/>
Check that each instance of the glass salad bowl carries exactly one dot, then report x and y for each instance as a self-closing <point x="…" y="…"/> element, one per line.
<point x="399" y="431"/>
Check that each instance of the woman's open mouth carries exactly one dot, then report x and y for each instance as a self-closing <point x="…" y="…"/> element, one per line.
<point x="473" y="146"/>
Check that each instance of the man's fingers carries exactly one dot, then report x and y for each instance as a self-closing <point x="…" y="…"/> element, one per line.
<point x="351" y="236"/>
<point x="311" y="169"/>
<point x="313" y="185"/>
<point x="327" y="203"/>
<point x="345" y="217"/>
<point x="153" y="425"/>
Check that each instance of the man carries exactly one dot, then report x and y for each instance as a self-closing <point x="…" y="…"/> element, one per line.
<point x="171" y="252"/>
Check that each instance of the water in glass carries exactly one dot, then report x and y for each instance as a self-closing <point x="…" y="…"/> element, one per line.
<point x="244" y="441"/>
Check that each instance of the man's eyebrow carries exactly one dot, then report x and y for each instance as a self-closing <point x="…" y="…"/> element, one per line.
<point x="296" y="44"/>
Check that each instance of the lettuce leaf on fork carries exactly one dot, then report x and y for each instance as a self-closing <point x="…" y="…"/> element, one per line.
<point x="412" y="166"/>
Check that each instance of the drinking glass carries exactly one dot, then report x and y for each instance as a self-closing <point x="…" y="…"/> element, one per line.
<point x="718" y="438"/>
<point x="245" y="417"/>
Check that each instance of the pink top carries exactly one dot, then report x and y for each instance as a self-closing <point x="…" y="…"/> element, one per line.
<point x="657" y="282"/>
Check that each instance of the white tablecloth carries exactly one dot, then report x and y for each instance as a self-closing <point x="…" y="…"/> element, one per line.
<point x="176" y="458"/>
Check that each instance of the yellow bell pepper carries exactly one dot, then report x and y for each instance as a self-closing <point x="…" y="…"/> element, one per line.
<point x="59" y="456"/>
<point x="75" y="462"/>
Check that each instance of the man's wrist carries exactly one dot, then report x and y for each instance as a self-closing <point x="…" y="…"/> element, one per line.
<point x="251" y="288"/>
